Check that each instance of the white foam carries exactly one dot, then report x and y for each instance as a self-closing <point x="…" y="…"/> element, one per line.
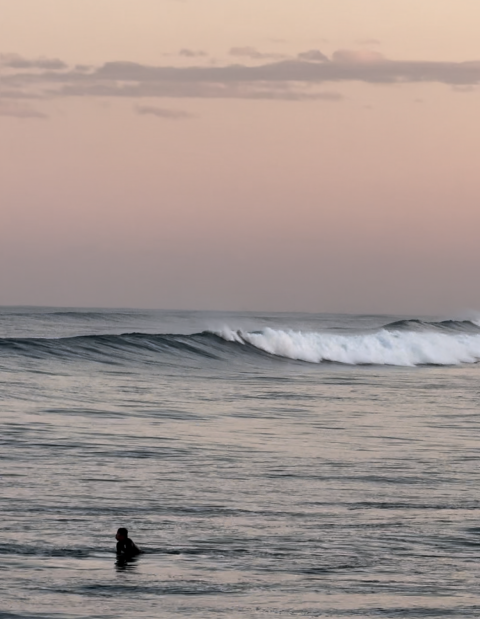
<point x="384" y="347"/>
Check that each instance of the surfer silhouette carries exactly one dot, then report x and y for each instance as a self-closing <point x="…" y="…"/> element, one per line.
<point x="126" y="548"/>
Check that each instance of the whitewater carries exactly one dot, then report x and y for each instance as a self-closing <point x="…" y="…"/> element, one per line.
<point x="269" y="464"/>
<point x="382" y="348"/>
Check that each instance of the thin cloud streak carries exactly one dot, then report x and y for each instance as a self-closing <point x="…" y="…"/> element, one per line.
<point x="259" y="91"/>
<point x="15" y="61"/>
<point x="292" y="79"/>
<point x="144" y="110"/>
<point x="253" y="53"/>
<point x="191" y="53"/>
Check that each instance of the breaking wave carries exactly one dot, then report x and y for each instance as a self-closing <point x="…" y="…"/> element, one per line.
<point x="385" y="347"/>
<point x="402" y="343"/>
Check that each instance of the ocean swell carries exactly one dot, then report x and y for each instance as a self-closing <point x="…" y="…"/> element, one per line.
<point x="406" y="343"/>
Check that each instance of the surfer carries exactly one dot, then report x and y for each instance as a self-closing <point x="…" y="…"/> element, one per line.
<point x="126" y="548"/>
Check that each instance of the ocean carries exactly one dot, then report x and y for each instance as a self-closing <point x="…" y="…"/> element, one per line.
<point x="269" y="465"/>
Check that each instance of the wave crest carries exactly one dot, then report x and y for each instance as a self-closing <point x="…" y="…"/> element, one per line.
<point x="385" y="347"/>
<point x="421" y="344"/>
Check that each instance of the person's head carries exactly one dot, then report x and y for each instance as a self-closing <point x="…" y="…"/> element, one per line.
<point x="122" y="534"/>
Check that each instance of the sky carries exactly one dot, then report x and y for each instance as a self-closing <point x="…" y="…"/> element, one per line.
<point x="263" y="155"/>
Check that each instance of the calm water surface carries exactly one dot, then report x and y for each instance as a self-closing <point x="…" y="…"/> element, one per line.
<point x="269" y="465"/>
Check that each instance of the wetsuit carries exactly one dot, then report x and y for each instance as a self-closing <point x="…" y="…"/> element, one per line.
<point x="127" y="548"/>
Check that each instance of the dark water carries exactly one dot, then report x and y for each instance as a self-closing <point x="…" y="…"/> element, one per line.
<point x="270" y="465"/>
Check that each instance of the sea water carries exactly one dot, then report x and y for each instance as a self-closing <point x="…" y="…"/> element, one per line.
<point x="269" y="465"/>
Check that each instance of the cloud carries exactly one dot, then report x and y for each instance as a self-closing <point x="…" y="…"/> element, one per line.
<point x="162" y="112"/>
<point x="84" y="68"/>
<point x="191" y="53"/>
<point x="253" y="53"/>
<point x="257" y="91"/>
<point x="15" y="61"/>
<point x="356" y="56"/>
<point x="314" y="55"/>
<point x="295" y="79"/>
<point x="346" y="66"/>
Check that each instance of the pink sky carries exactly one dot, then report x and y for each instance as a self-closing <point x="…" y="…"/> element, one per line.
<point x="254" y="154"/>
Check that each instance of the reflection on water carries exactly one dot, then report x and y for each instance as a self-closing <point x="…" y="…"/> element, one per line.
<point x="124" y="565"/>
